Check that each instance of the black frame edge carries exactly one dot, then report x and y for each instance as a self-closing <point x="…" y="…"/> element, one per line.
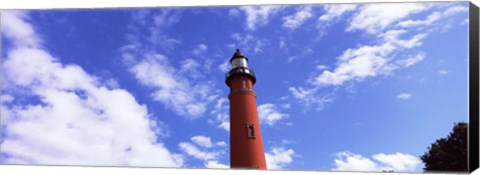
<point x="473" y="133"/>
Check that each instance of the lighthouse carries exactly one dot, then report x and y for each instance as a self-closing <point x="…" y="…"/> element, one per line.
<point x="246" y="146"/>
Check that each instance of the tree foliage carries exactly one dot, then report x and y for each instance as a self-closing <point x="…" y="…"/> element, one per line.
<point x="448" y="154"/>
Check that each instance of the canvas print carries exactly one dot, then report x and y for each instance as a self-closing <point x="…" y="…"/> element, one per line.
<point x="371" y="87"/>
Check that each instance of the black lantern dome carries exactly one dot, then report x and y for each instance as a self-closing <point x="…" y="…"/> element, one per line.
<point x="240" y="67"/>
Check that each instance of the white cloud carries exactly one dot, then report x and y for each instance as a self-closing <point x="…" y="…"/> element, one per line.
<point x="155" y="23"/>
<point x="15" y="26"/>
<point x="202" y="141"/>
<point x="411" y="60"/>
<point x="221" y="113"/>
<point x="310" y="97"/>
<point x="279" y="158"/>
<point x="184" y="90"/>
<point x="404" y="96"/>
<point x="321" y="67"/>
<point x="173" y="90"/>
<point x="374" y="18"/>
<point x="392" y="37"/>
<point x="191" y="69"/>
<point x="430" y="19"/>
<point x="354" y="68"/>
<point x="282" y="44"/>
<point x="286" y="141"/>
<point x="77" y="120"/>
<point x="290" y="59"/>
<point x="225" y="66"/>
<point x="360" y="63"/>
<point x="305" y="52"/>
<point x="258" y="15"/>
<point x="347" y="161"/>
<point x="335" y="11"/>
<point x="443" y="72"/>
<point x="269" y="114"/>
<point x="286" y="105"/>
<point x="465" y="22"/>
<point x="248" y="43"/>
<point x="200" y="49"/>
<point x="435" y="16"/>
<point x="141" y="15"/>
<point x="165" y="17"/>
<point x="195" y="152"/>
<point x="208" y="152"/>
<point x="454" y="10"/>
<point x="332" y="14"/>
<point x="234" y="12"/>
<point x="296" y="20"/>
<point x="386" y="26"/>
<point x="369" y="61"/>
<point x="6" y="98"/>
<point x="157" y="39"/>
<point x="215" y="164"/>
<point x="225" y="125"/>
<point x="399" y="162"/>
<point x="221" y="143"/>
<point x="189" y="65"/>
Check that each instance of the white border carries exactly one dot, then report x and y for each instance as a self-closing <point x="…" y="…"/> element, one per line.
<point x="62" y="170"/>
<point x="70" y="170"/>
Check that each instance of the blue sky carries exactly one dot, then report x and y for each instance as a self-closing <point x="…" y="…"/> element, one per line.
<point x="348" y="87"/>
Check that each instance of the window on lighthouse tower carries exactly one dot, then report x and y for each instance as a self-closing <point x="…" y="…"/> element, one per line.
<point x="250" y="131"/>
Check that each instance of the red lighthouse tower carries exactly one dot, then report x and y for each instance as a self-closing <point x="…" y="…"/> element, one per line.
<point x="246" y="146"/>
